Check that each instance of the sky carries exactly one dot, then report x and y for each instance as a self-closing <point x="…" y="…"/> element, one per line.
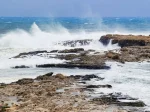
<point x="75" y="8"/>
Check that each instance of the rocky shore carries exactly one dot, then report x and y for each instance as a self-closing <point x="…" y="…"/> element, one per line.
<point x="60" y="93"/>
<point x="133" y="49"/>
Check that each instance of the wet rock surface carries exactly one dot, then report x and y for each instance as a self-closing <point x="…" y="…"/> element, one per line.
<point x="54" y="93"/>
<point x="51" y="93"/>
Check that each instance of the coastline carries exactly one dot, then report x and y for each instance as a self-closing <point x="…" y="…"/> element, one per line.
<point x="50" y="93"/>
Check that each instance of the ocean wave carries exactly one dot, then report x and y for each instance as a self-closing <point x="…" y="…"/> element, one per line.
<point x="36" y="38"/>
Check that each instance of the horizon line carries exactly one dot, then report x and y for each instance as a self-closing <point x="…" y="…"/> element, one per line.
<point x="74" y="17"/>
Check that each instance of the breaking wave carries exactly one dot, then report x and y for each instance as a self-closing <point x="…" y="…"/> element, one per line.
<point x="36" y="38"/>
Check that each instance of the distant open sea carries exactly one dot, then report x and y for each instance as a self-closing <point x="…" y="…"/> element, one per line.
<point x="107" y="24"/>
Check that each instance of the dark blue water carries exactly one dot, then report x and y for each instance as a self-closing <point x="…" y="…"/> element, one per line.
<point x="76" y="24"/>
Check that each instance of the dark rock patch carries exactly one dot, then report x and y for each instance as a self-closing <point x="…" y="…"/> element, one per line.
<point x="104" y="40"/>
<point x="81" y="66"/>
<point x="30" y="53"/>
<point x="87" y="77"/>
<point x="22" y="66"/>
<point x="99" y="86"/>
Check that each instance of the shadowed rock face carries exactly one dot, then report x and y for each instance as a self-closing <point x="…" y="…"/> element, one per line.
<point x="126" y="40"/>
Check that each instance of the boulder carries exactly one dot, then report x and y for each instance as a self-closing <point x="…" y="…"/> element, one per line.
<point x="105" y="40"/>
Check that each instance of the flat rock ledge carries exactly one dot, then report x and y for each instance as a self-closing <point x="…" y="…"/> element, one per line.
<point x="126" y="40"/>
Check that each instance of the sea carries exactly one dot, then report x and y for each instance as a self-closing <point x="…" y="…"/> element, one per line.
<point x="25" y="34"/>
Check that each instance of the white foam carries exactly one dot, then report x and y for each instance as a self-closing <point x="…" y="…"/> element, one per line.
<point x="131" y="79"/>
<point x="36" y="38"/>
<point x="30" y="61"/>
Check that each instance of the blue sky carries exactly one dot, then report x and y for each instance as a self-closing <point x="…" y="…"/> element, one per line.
<point x="75" y="8"/>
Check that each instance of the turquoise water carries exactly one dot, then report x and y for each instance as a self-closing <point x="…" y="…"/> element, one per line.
<point x="76" y="24"/>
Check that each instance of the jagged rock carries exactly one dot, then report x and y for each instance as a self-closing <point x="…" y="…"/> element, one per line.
<point x="24" y="81"/>
<point x="105" y="40"/>
<point x="44" y="77"/>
